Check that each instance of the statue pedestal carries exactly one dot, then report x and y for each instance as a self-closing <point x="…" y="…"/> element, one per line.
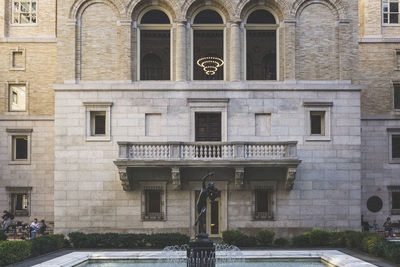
<point x="201" y="252"/>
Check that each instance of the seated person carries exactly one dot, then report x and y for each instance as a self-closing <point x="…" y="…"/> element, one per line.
<point x="42" y="227"/>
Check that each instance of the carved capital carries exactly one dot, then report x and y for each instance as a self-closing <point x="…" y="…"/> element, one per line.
<point x="239" y="178"/>
<point x="290" y="177"/>
<point x="123" y="176"/>
<point x="176" y="178"/>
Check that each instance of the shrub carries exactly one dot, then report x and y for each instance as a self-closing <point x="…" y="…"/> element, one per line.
<point x="281" y="242"/>
<point x="301" y="241"/>
<point x="354" y="239"/>
<point x="232" y="237"/>
<point x="47" y="243"/>
<point x="265" y="238"/>
<point x="370" y="244"/>
<point x="3" y="236"/>
<point x="318" y="238"/>
<point x="247" y="242"/>
<point x="337" y="239"/>
<point x="113" y="240"/>
<point x="14" y="251"/>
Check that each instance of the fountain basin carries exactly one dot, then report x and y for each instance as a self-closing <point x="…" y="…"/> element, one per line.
<point x="331" y="257"/>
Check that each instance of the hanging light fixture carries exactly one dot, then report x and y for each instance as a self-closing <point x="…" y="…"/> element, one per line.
<point x="210" y="65"/>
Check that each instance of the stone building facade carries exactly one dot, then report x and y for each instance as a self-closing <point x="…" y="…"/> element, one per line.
<point x="107" y="140"/>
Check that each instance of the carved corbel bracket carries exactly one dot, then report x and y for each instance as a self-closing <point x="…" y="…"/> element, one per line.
<point x="290" y="177"/>
<point x="123" y="176"/>
<point x="176" y="178"/>
<point x="239" y="178"/>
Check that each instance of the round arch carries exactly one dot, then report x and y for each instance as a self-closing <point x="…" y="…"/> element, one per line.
<point x="80" y="5"/>
<point x="137" y="8"/>
<point x="277" y="16"/>
<point x="279" y="7"/>
<point x="337" y="7"/>
<point x="225" y="8"/>
<point x="197" y="11"/>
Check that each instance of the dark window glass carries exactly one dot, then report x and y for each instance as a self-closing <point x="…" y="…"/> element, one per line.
<point x="261" y="55"/>
<point x="385" y="7"/>
<point x="394" y="7"/>
<point x="208" y="43"/>
<point x="155" y="55"/>
<point x="396" y="200"/>
<point x="155" y="17"/>
<point x="262" y="200"/>
<point x="261" y="16"/>
<point x="385" y="18"/>
<point x="21" y="147"/>
<point x="153" y="201"/>
<point x="208" y="16"/>
<point x="19" y="204"/>
<point x="394" y="18"/>
<point x="316" y="123"/>
<point x="396" y="146"/>
<point x="208" y="126"/>
<point x="397" y="96"/>
<point x="215" y="217"/>
<point x="100" y="124"/>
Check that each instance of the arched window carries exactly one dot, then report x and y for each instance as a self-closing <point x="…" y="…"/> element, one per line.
<point x="208" y="46"/>
<point x="155" y="46"/>
<point x="261" y="34"/>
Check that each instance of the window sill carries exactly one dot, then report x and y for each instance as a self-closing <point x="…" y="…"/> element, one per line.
<point x="390" y="24"/>
<point x="24" y="25"/>
<point x="394" y="161"/>
<point x="98" y="139"/>
<point x="19" y="162"/>
<point x="318" y="139"/>
<point x="395" y="212"/>
<point x="17" y="69"/>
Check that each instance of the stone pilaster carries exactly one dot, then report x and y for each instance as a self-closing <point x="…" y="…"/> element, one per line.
<point x="347" y="53"/>
<point x="180" y="51"/>
<point x="235" y="52"/>
<point x="290" y="49"/>
<point x="176" y="178"/>
<point x="125" y="53"/>
<point x="290" y="177"/>
<point x="239" y="178"/>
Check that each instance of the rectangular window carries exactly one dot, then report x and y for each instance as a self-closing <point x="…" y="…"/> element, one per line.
<point x="20" y="147"/>
<point x="390" y="11"/>
<point x="263" y="208"/>
<point x="394" y="194"/>
<point x="395" y="146"/>
<point x="153" y="204"/>
<point x="263" y="124"/>
<point x="24" y="12"/>
<point x="17" y="98"/>
<point x="396" y="201"/>
<point x="98" y="121"/>
<point x="208" y="126"/>
<point x="153" y="124"/>
<point x="396" y="96"/>
<point x="317" y="119"/>
<point x="19" y="204"/>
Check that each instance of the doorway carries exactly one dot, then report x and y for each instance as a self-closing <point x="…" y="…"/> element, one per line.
<point x="213" y="216"/>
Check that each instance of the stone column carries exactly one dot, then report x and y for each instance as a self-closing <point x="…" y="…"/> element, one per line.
<point x="289" y="50"/>
<point x="235" y="57"/>
<point x="180" y="62"/>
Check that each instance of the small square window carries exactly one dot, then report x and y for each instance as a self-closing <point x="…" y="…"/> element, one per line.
<point x="19" y="150"/>
<point x="17" y="98"/>
<point x="24" y="12"/>
<point x="263" y="200"/>
<point x="208" y="126"/>
<point x="396" y="96"/>
<point x="396" y="146"/>
<point x="98" y="122"/>
<point x="153" y="208"/>
<point x="317" y="119"/>
<point x="17" y="60"/>
<point x="19" y="200"/>
<point x="317" y="122"/>
<point x="390" y="10"/>
<point x="20" y="147"/>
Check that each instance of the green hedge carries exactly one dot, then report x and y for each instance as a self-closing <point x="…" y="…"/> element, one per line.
<point x="3" y="235"/>
<point x="113" y="240"/>
<point x="16" y="251"/>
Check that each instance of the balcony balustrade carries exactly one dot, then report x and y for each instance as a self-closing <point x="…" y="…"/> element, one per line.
<point x="201" y="151"/>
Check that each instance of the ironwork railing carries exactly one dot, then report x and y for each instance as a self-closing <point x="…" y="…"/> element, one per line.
<point x="207" y="151"/>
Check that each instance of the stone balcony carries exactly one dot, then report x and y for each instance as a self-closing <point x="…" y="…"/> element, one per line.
<point x="237" y="155"/>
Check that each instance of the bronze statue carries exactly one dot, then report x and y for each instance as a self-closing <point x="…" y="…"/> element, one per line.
<point x="210" y="192"/>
